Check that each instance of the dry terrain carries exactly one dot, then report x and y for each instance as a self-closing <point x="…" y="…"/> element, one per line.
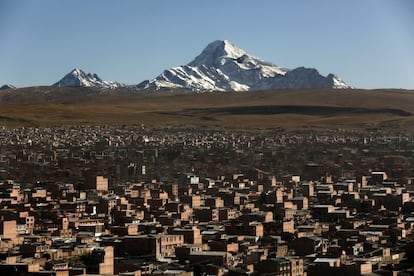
<point x="391" y="110"/>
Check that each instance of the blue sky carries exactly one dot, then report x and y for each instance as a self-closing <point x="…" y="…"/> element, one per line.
<point x="368" y="43"/>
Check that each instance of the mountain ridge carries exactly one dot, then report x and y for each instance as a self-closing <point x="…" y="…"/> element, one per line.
<point x="78" y="78"/>
<point x="7" y="86"/>
<point x="222" y="66"/>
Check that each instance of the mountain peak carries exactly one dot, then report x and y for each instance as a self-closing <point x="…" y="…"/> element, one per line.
<point x="78" y="78"/>
<point x="222" y="66"/>
<point x="215" y="51"/>
<point x="7" y="86"/>
<point x="226" y="47"/>
<point x="77" y="71"/>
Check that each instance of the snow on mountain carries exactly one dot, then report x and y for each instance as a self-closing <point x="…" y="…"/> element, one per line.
<point x="78" y="78"/>
<point x="7" y="86"/>
<point x="222" y="66"/>
<point x="337" y="82"/>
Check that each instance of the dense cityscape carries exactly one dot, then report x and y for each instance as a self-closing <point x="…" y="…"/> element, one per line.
<point x="202" y="138"/>
<point x="79" y="200"/>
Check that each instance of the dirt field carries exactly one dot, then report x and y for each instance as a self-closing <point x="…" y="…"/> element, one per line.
<point x="391" y="110"/>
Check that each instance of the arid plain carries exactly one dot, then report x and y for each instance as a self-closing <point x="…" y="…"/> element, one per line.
<point x="388" y="110"/>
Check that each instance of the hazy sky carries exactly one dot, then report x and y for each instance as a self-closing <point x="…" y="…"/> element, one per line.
<point x="368" y="43"/>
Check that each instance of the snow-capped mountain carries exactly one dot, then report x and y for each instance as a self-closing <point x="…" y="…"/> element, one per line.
<point x="7" y="86"/>
<point x="79" y="78"/>
<point x="224" y="67"/>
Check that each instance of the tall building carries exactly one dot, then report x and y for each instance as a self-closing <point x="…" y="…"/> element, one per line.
<point x="107" y="267"/>
<point x="101" y="183"/>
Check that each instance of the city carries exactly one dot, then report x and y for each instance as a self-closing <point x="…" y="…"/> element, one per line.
<point x="201" y="138"/>
<point x="132" y="200"/>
